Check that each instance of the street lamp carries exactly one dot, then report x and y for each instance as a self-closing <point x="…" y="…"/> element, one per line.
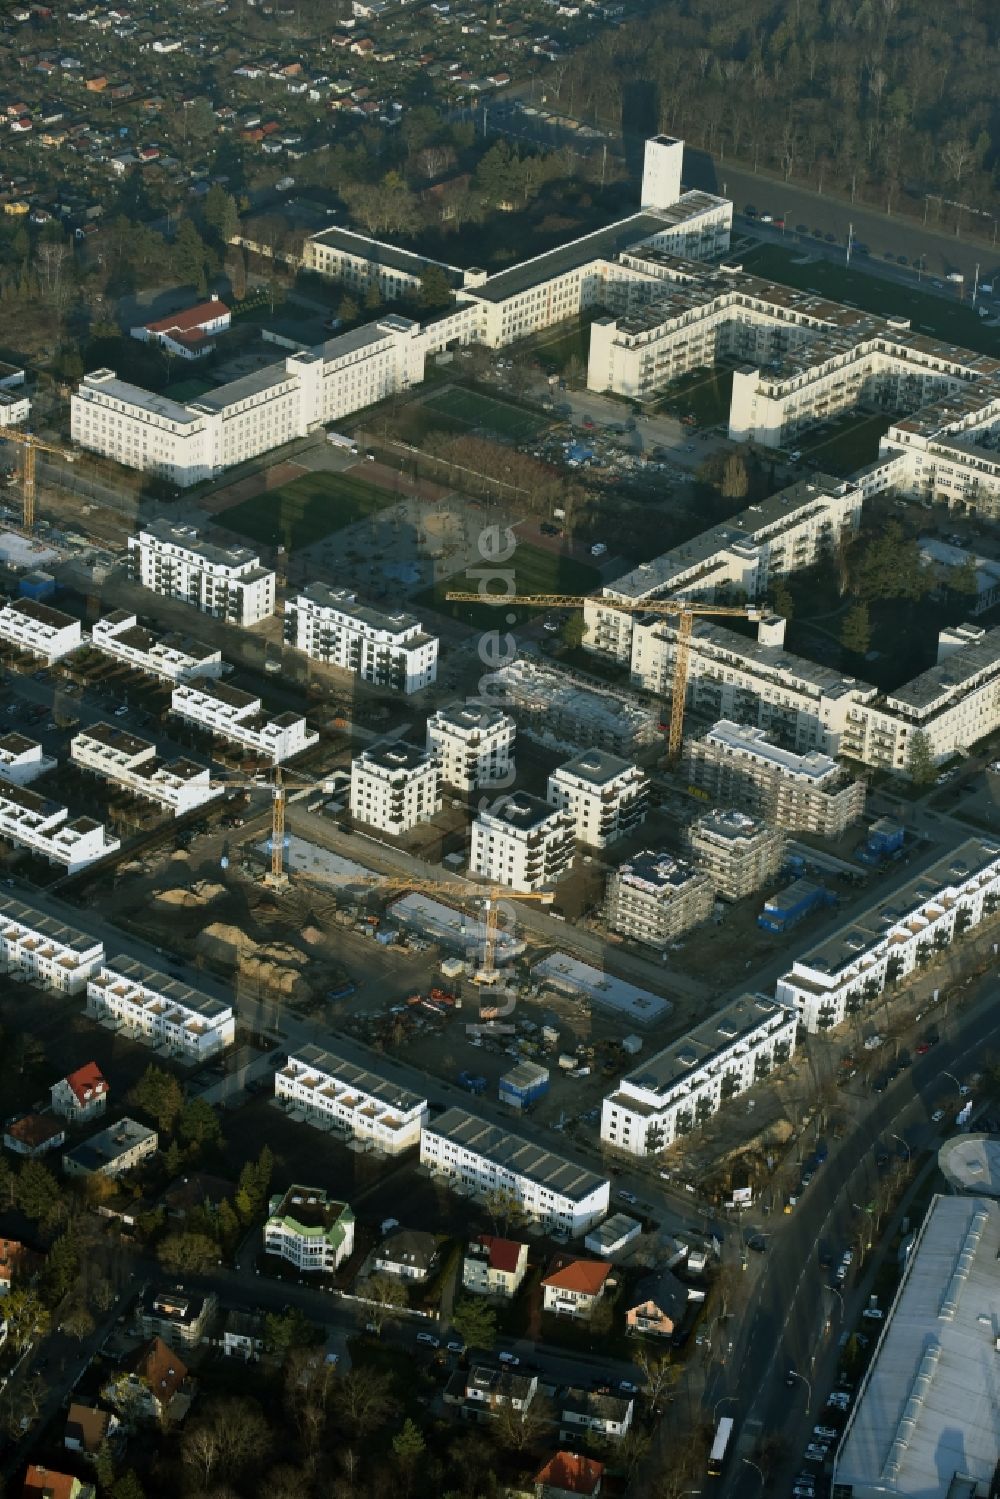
<point x="902" y="1142"/>
<point x="721" y="1401"/>
<point x="843" y="1309"/>
<point x="809" y="1392"/>
<point x="954" y="1079"/>
<point x="759" y="1471"/>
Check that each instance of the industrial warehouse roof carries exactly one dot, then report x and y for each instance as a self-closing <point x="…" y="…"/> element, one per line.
<point x="565" y="972"/>
<point x="516" y="1155"/>
<point x="929" y="1409"/>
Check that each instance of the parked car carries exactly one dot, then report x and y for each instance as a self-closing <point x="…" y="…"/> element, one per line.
<point x="826" y="1433"/>
<point x="937" y="1116"/>
<point x="428" y="1339"/>
<point x="509" y="1358"/>
<point x="874" y="1313"/>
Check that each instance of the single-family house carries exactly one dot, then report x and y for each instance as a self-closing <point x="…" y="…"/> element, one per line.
<point x="17" y="1264"/>
<point x="607" y="1416"/>
<point x="408" y="1254"/>
<point x="81" y="1095"/>
<point x="153" y="1384"/>
<point x="493" y="1266"/>
<point x="568" y="1475"/>
<point x="657" y="1305"/>
<point x="87" y="1427"/>
<point x="572" y="1287"/>
<point x="45" y="1483"/>
<point x="34" y="1134"/>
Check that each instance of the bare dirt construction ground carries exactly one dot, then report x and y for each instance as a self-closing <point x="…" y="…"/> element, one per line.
<point x="267" y="479"/>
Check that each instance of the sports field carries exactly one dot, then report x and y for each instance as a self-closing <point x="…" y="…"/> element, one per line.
<point x="467" y="410"/>
<point x="304" y="511"/>
<point x="534" y="571"/>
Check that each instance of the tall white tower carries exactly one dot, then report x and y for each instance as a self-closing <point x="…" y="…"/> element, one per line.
<point x="661" y="171"/>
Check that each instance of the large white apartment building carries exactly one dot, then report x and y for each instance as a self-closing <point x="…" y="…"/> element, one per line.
<point x="386" y="649"/>
<point x="949" y="707"/>
<point x="159" y="1010"/>
<point x="326" y="1090"/>
<point x="655" y="898"/>
<point x="736" y="766"/>
<point x="605" y="796"/>
<point x="237" y="716"/>
<point x="673" y="1093"/>
<point x="225" y="582"/>
<point x="125" y="760"/>
<point x="190" y="441"/>
<point x="473" y="744"/>
<point x="169" y="658"/>
<point x="39" y="630"/>
<point x="522" y="842"/>
<point x="22" y="760"/>
<point x="849" y="970"/>
<point x="487" y="1160"/>
<point x="737" y="852"/>
<point x="41" y="949"/>
<point x="395" y="787"/>
<point x="309" y="1229"/>
<point x="45" y="827"/>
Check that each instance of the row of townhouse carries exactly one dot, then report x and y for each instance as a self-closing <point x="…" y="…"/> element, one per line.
<point x="234" y="715"/>
<point x="159" y="1010"/>
<point x="850" y="970"/>
<point x="169" y="658"/>
<point x="319" y="1087"/>
<point x="45" y="827"/>
<point x="38" y="948"/>
<point x="669" y="1095"/>
<point x="187" y="442"/>
<point x="123" y="759"/>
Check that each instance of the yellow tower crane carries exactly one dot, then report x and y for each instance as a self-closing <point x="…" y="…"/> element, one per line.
<point x="685" y="613"/>
<point x="279" y="787"/>
<point x="30" y="444"/>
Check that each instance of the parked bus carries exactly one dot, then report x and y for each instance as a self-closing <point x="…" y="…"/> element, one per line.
<point x="720" y="1446"/>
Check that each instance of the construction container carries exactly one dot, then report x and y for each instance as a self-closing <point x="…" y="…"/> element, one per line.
<point x="524" y="1084"/>
<point x="791" y="905"/>
<point x="567" y="1061"/>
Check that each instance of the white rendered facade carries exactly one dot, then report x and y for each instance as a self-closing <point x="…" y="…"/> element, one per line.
<point x="605" y="796"/>
<point x="522" y="842"/>
<point x="237" y="716"/>
<point x="309" y="1230"/>
<point x="851" y="969"/>
<point x="169" y="658"/>
<point x="388" y="650"/>
<point x="655" y="898"/>
<point x="122" y="759"/>
<point x="672" y="1093"/>
<point x="41" y="949"/>
<point x="39" y="630"/>
<point x="474" y="745"/>
<point x="487" y="1159"/>
<point x="226" y="582"/>
<point x="395" y="787"/>
<point x="158" y="1010"/>
<point x="22" y="760"/>
<point x="332" y="1093"/>
<point x="44" y="827"/>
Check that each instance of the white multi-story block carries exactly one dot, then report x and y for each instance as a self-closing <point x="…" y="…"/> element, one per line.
<point x="737" y="852"/>
<point x="226" y="582"/>
<point x="39" y="630"/>
<point x="309" y="1229"/>
<point x="41" y="949"/>
<point x="804" y="791"/>
<point x="605" y="796"/>
<point x="324" y="1089"/>
<point x="493" y="1162"/>
<point x="159" y="1010"/>
<point x="22" y="760"/>
<point x="125" y="760"/>
<point x="169" y="658"/>
<point x="395" y="787"/>
<point x="238" y="716"/>
<point x="522" y="842"/>
<point x="655" y="898"/>
<point x="387" y="649"/>
<point x="673" y="1093"/>
<point x="44" y="827"/>
<point x="474" y="745"/>
<point x="851" y="969"/>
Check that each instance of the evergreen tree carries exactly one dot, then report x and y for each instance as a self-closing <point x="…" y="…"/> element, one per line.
<point x="373" y="296"/>
<point x="435" y="290"/>
<point x="920" y="764"/>
<point x="855" y="631"/>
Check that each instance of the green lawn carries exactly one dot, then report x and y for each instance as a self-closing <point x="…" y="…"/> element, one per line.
<point x="188" y="390"/>
<point x="557" y="353"/>
<point x="942" y="316"/>
<point x="534" y="571"/>
<point x="853" y="444"/>
<point x="304" y="511"/>
<point x="706" y="395"/>
<point x="467" y="409"/>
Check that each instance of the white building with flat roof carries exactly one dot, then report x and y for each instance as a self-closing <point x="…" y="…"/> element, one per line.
<point x="737" y="852"/>
<point x="123" y="759"/>
<point x="926" y="1416"/>
<point x="45" y="827"/>
<point x="323" y="1089"/>
<point x="487" y="1160"/>
<point x="605" y="795"/>
<point x="38" y="948"/>
<point x="474" y="745"/>
<point x="655" y="898"/>
<point x="522" y="842"/>
<point x="673" y="1093"/>
<point x="848" y="971"/>
<point x="39" y="630"/>
<point x="226" y="582"/>
<point x="804" y="791"/>
<point x="387" y="648"/>
<point x="169" y="658"/>
<point x="23" y="760"/>
<point x="311" y="1230"/>
<point x="159" y="1010"/>
<point x="395" y="787"/>
<point x="237" y="716"/>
